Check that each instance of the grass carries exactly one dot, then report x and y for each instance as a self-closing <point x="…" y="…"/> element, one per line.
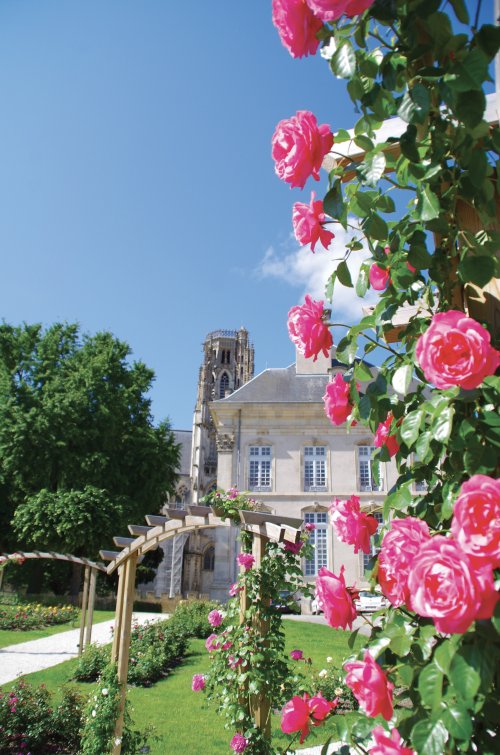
<point x="14" y="637"/>
<point x="183" y="719"/>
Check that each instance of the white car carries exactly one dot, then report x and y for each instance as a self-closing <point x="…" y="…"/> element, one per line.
<point x="370" y="601"/>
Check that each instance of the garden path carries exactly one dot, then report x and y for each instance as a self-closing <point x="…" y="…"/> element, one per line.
<point x="35" y="655"/>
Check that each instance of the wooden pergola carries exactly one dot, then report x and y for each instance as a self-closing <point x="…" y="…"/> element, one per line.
<point x="89" y="585"/>
<point x="264" y="528"/>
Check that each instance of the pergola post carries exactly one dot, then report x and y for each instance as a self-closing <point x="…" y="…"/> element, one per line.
<point x="118" y="613"/>
<point x="86" y="580"/>
<point x="260" y="704"/>
<point x="123" y="643"/>
<point x="90" y="606"/>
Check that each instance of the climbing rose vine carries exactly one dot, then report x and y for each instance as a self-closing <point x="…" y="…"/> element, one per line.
<point x="425" y="680"/>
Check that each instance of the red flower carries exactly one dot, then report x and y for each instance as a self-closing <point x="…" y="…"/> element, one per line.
<point x="297" y="27"/>
<point x="379" y="277"/>
<point x="307" y="328"/>
<point x="386" y="744"/>
<point x="399" y="547"/>
<point x="295" y="716"/>
<point x="383" y="437"/>
<point x="351" y="525"/>
<point x="476" y="519"/>
<point x="308" y="222"/>
<point x="299" y="146"/>
<point x="335" y="599"/>
<point x="337" y="400"/>
<point x="370" y="686"/>
<point x="331" y="10"/>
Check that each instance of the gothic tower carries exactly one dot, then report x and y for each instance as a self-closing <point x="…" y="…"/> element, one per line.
<point x="228" y="363"/>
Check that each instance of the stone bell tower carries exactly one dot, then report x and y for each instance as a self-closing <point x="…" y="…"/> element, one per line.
<point x="228" y="363"/>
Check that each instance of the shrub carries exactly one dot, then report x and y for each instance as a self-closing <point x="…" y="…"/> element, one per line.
<point x="29" y="724"/>
<point x="190" y="617"/>
<point x="35" y="616"/>
<point x="330" y="681"/>
<point x="91" y="663"/>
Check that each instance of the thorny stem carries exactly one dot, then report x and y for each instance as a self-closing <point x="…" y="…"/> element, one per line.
<point x="368" y="338"/>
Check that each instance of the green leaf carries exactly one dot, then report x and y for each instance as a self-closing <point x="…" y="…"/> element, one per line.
<point x="344" y="275"/>
<point x="402" y="378"/>
<point x="470" y="107"/>
<point x="363" y="279"/>
<point x="443" y="655"/>
<point x="422" y="445"/>
<point x="411" y="425"/>
<point x="346" y="350"/>
<point x="430" y="686"/>
<point x="333" y="203"/>
<point x="330" y="286"/>
<point x="428" y="206"/>
<point x="343" y="62"/>
<point x="376" y="227"/>
<point x="463" y="677"/>
<point x="372" y="168"/>
<point x="342" y="136"/>
<point x="470" y="73"/>
<point x="429" y="737"/>
<point x="461" y="11"/>
<point x="362" y="372"/>
<point x="415" y="104"/>
<point x="478" y="269"/>
<point x="364" y="142"/>
<point x="458" y="721"/>
<point x="407" y="142"/>
<point x="401" y="645"/>
<point x="442" y="425"/>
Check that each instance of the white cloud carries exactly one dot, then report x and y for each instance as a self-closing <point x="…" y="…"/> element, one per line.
<point x="303" y="269"/>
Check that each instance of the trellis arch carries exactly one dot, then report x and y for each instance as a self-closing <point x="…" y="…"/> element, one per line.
<point x="89" y="585"/>
<point x="264" y="527"/>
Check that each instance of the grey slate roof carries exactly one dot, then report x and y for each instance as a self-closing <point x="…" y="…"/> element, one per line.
<point x="279" y="385"/>
<point x="185" y="438"/>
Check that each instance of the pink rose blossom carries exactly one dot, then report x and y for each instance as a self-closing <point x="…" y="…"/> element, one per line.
<point x="320" y="707"/>
<point x="295" y="716"/>
<point x="198" y="683"/>
<point x="234" y="662"/>
<point x="308" y="222"/>
<point x="299" y="146"/>
<point x="488" y="596"/>
<point x="398" y="549"/>
<point x="410" y="267"/>
<point x="476" y="519"/>
<point x="337" y="400"/>
<point x="212" y="643"/>
<point x="246" y="560"/>
<point x="215" y="618"/>
<point x="228" y="644"/>
<point x="307" y="328"/>
<point x="351" y="525"/>
<point x="386" y="744"/>
<point x="294" y="548"/>
<point x="234" y="590"/>
<point x="309" y="526"/>
<point x="456" y="350"/>
<point x="379" y="277"/>
<point x="370" y="686"/>
<point x="335" y="599"/>
<point x="384" y="438"/>
<point x="444" y="586"/>
<point x="239" y="743"/>
<point x="331" y="10"/>
<point x="297" y="655"/>
<point x="297" y="27"/>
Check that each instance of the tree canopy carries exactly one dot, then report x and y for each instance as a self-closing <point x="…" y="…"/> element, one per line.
<point x="80" y="456"/>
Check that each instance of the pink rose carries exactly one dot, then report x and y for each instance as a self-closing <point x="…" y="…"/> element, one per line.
<point x="297" y="655"/>
<point x="234" y="590"/>
<point x="456" y="350"/>
<point x="299" y="146"/>
<point x="246" y="560"/>
<point x="388" y="745"/>
<point x="239" y="743"/>
<point x="331" y="10"/>
<point x="444" y="586"/>
<point x="351" y="525"/>
<point x="212" y="643"/>
<point x="379" y="277"/>
<point x="309" y="526"/>
<point x="294" y="548"/>
<point x="476" y="519"/>
<point x="295" y="716"/>
<point x="234" y="662"/>
<point x="370" y="686"/>
<point x="320" y="707"/>
<point x="398" y="549"/>
<point x="215" y="618"/>
<point x="307" y="222"/>
<point x="335" y="599"/>
<point x="383" y="436"/>
<point x="297" y="27"/>
<point x="198" y="683"/>
<point x="488" y="596"/>
<point x="307" y="328"/>
<point x="337" y="400"/>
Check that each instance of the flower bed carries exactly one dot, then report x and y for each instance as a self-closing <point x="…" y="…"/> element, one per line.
<point x="35" y="616"/>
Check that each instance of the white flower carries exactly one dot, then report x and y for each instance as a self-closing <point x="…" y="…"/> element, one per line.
<point x="323" y="673"/>
<point x="329" y="659"/>
<point x="118" y="741"/>
<point x="105" y="691"/>
<point x="94" y="713"/>
<point x="328" y="51"/>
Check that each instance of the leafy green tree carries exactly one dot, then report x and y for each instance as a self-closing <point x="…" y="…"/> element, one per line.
<point x="79" y="454"/>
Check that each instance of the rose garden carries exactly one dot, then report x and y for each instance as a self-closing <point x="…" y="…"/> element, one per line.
<point x="422" y="209"/>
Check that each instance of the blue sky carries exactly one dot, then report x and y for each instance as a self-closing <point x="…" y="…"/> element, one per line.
<point x="137" y="191"/>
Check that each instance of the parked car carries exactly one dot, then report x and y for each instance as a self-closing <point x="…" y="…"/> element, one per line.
<point x="315" y="607"/>
<point x="370" y="601"/>
<point x="287" y="602"/>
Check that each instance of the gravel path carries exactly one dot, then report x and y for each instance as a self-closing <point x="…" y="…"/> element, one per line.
<point x="35" y="655"/>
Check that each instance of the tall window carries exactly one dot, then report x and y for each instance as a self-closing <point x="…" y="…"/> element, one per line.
<point x="318" y="538"/>
<point x="314" y="468"/>
<point x="259" y="468"/>
<point x="373" y="550"/>
<point x="367" y="482"/>
<point x="209" y="558"/>
<point x="224" y="385"/>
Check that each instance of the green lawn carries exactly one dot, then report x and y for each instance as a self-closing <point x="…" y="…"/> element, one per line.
<point x="186" y="723"/>
<point x="12" y="637"/>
